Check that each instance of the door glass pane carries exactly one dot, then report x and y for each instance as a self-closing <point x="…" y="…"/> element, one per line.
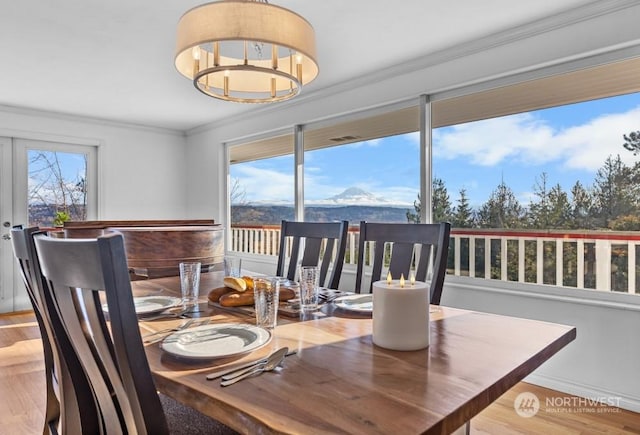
<point x="57" y="187"/>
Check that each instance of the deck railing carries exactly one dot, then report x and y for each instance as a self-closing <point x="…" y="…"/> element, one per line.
<point x="602" y="260"/>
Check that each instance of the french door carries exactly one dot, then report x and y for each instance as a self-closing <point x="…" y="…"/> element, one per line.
<point x="41" y="184"/>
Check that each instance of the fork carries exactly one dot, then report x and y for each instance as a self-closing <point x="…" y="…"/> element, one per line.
<point x="180" y="328"/>
<point x="167" y="330"/>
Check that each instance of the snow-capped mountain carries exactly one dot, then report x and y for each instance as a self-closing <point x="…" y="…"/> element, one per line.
<point x="354" y="196"/>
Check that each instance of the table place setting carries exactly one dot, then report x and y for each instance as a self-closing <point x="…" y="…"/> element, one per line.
<point x="222" y="340"/>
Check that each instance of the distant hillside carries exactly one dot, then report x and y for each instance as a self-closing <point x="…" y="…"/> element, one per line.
<point x="273" y="215"/>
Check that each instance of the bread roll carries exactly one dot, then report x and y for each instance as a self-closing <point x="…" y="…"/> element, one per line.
<point x="286" y="293"/>
<point x="215" y="294"/>
<point x="249" y="281"/>
<point x="237" y="284"/>
<point x="237" y="299"/>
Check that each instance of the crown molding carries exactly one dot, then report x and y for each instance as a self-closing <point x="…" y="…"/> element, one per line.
<point x="522" y="32"/>
<point x="89" y="120"/>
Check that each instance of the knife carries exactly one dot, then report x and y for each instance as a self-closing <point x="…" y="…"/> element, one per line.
<point x="220" y="373"/>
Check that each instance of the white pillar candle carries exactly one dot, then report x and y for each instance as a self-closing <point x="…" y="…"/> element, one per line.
<point x="401" y="315"/>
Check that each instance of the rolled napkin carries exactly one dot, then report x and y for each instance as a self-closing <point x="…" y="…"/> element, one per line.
<point x="401" y="315"/>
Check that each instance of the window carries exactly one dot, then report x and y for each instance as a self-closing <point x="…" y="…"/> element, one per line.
<point x="54" y="182"/>
<point x="57" y="187"/>
<point x="521" y="167"/>
<point x="363" y="169"/>
<point x="549" y="186"/>
<point x="261" y="193"/>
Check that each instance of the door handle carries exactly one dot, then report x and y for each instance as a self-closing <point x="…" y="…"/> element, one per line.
<point x="6" y="237"/>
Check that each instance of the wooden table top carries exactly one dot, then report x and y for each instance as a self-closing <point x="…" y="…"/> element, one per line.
<point x="340" y="382"/>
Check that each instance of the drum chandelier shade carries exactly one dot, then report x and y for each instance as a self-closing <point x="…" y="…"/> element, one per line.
<point x="246" y="51"/>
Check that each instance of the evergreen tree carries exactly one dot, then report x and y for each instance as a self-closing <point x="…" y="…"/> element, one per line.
<point x="441" y="204"/>
<point x="441" y="211"/>
<point x="552" y="209"/>
<point x="463" y="215"/>
<point x="632" y="142"/>
<point x="559" y="208"/>
<point x="538" y="214"/>
<point x="581" y="207"/>
<point x="502" y="210"/>
<point x="615" y="192"/>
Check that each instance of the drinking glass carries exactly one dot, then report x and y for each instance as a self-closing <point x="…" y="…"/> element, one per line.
<point x="266" y="293"/>
<point x="232" y="266"/>
<point x="309" y="278"/>
<point x="190" y="283"/>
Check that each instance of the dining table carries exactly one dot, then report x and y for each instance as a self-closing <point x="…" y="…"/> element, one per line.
<point x="339" y="381"/>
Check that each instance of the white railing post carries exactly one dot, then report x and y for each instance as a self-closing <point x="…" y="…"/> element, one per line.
<point x="521" y="262"/>
<point x="559" y="261"/>
<point x="472" y="256"/>
<point x="580" y="265"/>
<point x="487" y="257"/>
<point x="503" y="258"/>
<point x="603" y="265"/>
<point x="352" y="248"/>
<point x="456" y="255"/>
<point x="245" y="246"/>
<point x="631" y="267"/>
<point x="539" y="261"/>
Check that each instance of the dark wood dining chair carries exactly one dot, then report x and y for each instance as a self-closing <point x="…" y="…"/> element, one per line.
<point x="111" y="376"/>
<point x="319" y="240"/>
<point x="23" y="248"/>
<point x="424" y="244"/>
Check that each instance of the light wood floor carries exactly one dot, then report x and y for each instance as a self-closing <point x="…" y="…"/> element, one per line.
<point x="22" y="396"/>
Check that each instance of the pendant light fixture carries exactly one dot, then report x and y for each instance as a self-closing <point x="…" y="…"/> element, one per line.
<point x="246" y="51"/>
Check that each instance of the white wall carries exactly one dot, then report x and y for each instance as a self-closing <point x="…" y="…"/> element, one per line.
<point x="603" y="360"/>
<point x="141" y="170"/>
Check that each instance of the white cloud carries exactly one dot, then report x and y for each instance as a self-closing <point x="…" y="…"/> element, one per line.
<point x="587" y="146"/>
<point x="490" y="142"/>
<point x="264" y="184"/>
<point x="526" y="138"/>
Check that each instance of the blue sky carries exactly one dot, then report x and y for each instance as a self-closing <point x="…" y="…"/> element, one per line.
<point x="569" y="143"/>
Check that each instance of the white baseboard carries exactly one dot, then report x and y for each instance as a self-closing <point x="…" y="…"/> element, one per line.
<point x="582" y="390"/>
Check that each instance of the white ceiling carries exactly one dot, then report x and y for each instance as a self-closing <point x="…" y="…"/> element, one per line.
<point x="113" y="59"/>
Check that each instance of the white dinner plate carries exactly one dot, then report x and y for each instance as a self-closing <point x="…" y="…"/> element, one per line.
<point x="216" y="341"/>
<point x="150" y="304"/>
<point x="359" y="303"/>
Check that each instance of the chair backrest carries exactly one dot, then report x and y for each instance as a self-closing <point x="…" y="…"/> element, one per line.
<point x="115" y="390"/>
<point x="319" y="240"/>
<point x="424" y="244"/>
<point x="24" y="252"/>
